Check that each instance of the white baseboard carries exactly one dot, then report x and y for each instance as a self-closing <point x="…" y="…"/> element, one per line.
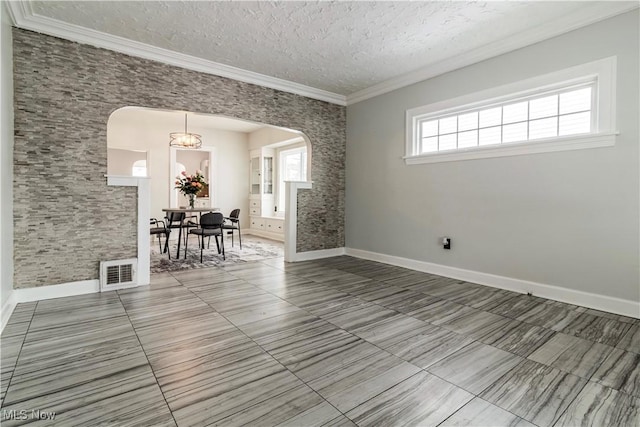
<point x="7" y="310"/>
<point x="57" y="291"/>
<point x="570" y="296"/>
<point x="322" y="253"/>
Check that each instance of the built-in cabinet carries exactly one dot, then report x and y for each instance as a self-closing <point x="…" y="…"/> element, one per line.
<point x="262" y="219"/>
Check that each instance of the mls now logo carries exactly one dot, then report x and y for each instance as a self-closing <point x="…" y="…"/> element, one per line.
<point x="21" y="415"/>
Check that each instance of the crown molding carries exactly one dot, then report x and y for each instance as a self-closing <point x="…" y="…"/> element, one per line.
<point x="23" y="16"/>
<point x="587" y="15"/>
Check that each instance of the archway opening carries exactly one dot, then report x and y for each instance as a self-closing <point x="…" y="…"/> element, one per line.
<point x="228" y="159"/>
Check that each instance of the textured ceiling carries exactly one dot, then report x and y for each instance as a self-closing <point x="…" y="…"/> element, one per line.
<point x="340" y="47"/>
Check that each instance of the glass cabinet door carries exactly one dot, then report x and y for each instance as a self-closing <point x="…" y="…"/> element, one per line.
<point x="255" y="175"/>
<point x="268" y="175"/>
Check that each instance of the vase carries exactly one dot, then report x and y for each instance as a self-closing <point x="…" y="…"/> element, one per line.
<point x="192" y="201"/>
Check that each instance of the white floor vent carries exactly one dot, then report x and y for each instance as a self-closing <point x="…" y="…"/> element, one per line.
<point x="118" y="274"/>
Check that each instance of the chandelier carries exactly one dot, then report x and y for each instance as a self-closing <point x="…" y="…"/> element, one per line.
<point x="185" y="139"/>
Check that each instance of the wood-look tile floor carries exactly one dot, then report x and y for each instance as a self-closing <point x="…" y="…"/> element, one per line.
<point x="339" y="341"/>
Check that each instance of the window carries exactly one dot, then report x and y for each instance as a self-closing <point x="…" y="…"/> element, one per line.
<point x="139" y="168"/>
<point x="570" y="109"/>
<point x="293" y="167"/>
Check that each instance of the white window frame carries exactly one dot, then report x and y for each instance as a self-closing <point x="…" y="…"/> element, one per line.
<point x="603" y="130"/>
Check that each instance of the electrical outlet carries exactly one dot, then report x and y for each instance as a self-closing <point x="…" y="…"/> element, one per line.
<point x="446" y="243"/>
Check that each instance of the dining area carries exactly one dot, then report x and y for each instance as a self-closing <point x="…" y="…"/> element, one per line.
<point x="203" y="222"/>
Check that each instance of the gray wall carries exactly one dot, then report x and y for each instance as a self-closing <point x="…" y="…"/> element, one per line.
<point x="6" y="162"/>
<point x="568" y="219"/>
<point x="64" y="94"/>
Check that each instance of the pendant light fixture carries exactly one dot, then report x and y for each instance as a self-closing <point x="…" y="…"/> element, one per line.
<point x="185" y="139"/>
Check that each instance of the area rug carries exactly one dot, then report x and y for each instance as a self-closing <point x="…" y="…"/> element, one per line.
<point x="253" y="249"/>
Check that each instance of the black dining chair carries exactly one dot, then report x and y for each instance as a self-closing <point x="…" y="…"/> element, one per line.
<point x="159" y="228"/>
<point x="233" y="224"/>
<point x="174" y="220"/>
<point x="210" y="226"/>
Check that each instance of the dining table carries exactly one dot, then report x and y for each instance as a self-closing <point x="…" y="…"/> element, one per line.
<point x="187" y="211"/>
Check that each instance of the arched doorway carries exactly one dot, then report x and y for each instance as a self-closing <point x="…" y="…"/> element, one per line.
<point x="227" y="150"/>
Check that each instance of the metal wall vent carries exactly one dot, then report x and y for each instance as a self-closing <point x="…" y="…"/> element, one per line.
<point x="118" y="274"/>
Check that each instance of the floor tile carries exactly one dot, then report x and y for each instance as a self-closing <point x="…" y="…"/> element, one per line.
<point x="479" y="412"/>
<point x="518" y="337"/>
<point x="441" y="311"/>
<point x="15" y="329"/>
<point x="276" y="409"/>
<point x="315" y="360"/>
<point x="426" y="347"/>
<point x="571" y="354"/>
<point x="353" y="384"/>
<point x="423" y="399"/>
<point x="620" y="371"/>
<point x="623" y="319"/>
<point x="597" y="405"/>
<point x="11" y="347"/>
<point x="211" y="401"/>
<point x="535" y="392"/>
<point x="597" y="329"/>
<point x="315" y="338"/>
<point x="261" y="311"/>
<point x="476" y="324"/>
<point x="357" y="317"/>
<point x="320" y="415"/>
<point x="405" y="300"/>
<point x="388" y="331"/>
<point x="475" y="367"/>
<point x="631" y="339"/>
<point x="517" y="306"/>
<point x="549" y="316"/>
<point x="141" y="406"/>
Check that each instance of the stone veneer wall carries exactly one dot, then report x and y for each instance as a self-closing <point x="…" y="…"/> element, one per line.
<point x="66" y="218"/>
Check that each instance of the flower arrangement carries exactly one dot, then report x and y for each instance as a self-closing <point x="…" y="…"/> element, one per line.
<point x="190" y="185"/>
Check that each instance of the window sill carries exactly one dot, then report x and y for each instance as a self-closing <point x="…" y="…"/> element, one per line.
<point x="577" y="142"/>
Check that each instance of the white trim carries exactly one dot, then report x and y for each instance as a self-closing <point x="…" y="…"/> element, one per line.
<point x="291" y="217"/>
<point x="7" y="310"/>
<point x="321" y="253"/>
<point x="144" y="213"/>
<point x="578" y="142"/>
<point x="589" y="14"/>
<point x="602" y="71"/>
<point x="57" y="291"/>
<point x="557" y="293"/>
<point x="23" y="16"/>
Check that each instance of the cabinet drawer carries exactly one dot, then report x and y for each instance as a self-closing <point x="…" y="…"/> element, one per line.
<point x="257" y="223"/>
<point x="254" y="211"/>
<point x="254" y="203"/>
<point x="274" y="225"/>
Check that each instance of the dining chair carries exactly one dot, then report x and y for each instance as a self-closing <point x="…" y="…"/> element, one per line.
<point x="174" y="220"/>
<point x="159" y="228"/>
<point x="210" y="226"/>
<point x="234" y="224"/>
